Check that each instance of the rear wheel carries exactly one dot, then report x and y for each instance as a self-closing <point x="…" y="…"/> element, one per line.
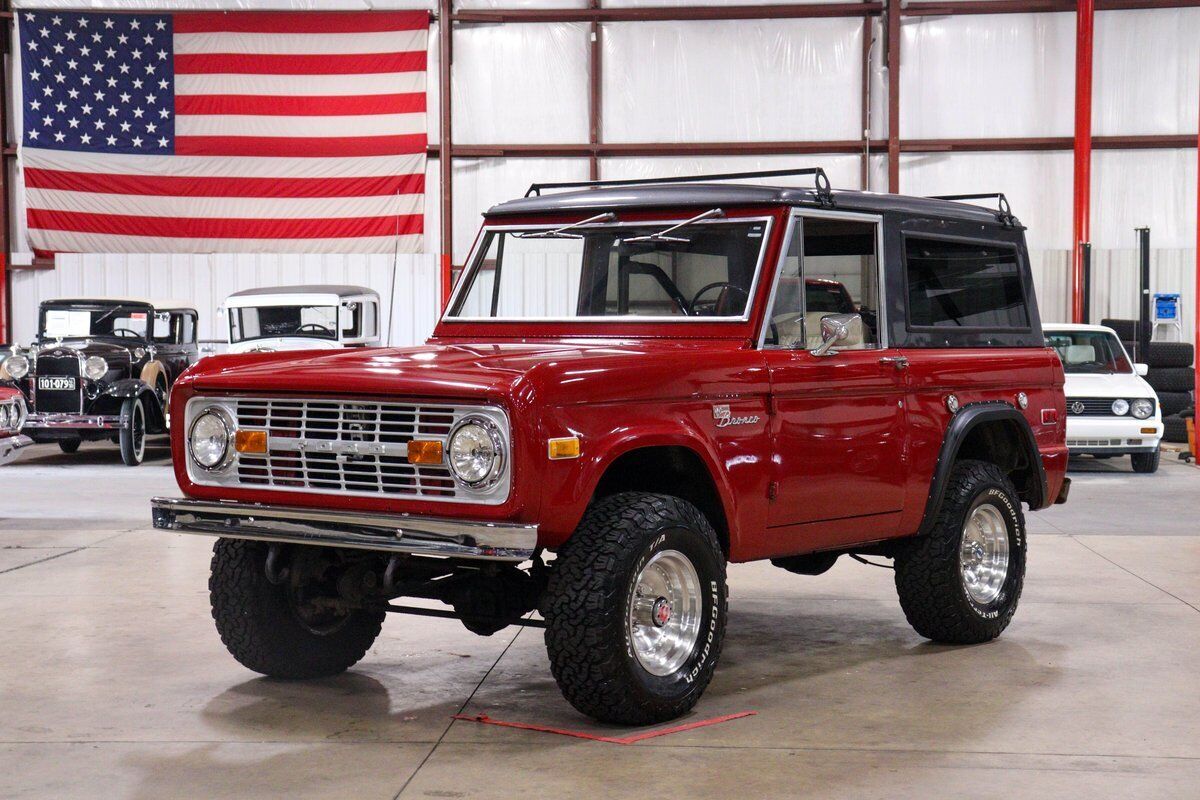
<point x="635" y="609"/>
<point x="960" y="583"/>
<point x="133" y="432"/>
<point x="69" y="446"/>
<point x="1145" y="462"/>
<point x="291" y="629"/>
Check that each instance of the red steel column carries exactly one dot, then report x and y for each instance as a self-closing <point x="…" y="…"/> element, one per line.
<point x="1081" y="224"/>
<point x="1196" y="293"/>
<point x="445" y="151"/>
<point x="893" y="66"/>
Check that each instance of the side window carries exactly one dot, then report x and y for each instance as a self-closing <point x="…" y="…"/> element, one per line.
<point x="370" y="325"/>
<point x="188" y="331"/>
<point x="831" y="267"/>
<point x="963" y="285"/>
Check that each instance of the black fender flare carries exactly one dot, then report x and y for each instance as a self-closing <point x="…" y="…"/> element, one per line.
<point x="961" y="424"/>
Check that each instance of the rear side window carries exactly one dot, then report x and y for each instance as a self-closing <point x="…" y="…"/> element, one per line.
<point x="964" y="285"/>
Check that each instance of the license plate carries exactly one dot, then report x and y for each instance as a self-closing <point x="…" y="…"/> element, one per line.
<point x="51" y="384"/>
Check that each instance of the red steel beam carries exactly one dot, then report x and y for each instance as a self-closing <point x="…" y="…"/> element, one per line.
<point x="671" y="14"/>
<point x="893" y="67"/>
<point x="1085" y="18"/>
<point x="958" y="7"/>
<point x="446" y="139"/>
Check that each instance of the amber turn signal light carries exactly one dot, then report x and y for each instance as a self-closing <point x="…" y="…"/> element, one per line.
<point x="567" y="447"/>
<point x="424" y="451"/>
<point x="250" y="441"/>
<point x="1149" y="430"/>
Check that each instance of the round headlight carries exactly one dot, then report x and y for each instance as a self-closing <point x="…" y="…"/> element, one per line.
<point x="17" y="366"/>
<point x="1142" y="409"/>
<point x="1120" y="407"/>
<point x="8" y="416"/>
<point x="476" y="452"/>
<point x="208" y="438"/>
<point x="95" y="367"/>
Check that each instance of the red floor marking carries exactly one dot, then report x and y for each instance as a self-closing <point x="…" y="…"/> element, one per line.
<point x="637" y="737"/>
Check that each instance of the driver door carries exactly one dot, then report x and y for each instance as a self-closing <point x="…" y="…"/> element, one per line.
<point x="839" y="425"/>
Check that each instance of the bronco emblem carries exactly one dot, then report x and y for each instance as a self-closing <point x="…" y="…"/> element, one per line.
<point x="725" y="418"/>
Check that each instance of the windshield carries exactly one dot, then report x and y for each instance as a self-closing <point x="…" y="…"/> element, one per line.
<point x="113" y="321"/>
<point x="1089" y="352"/>
<point x="316" y="322"/>
<point x="701" y="270"/>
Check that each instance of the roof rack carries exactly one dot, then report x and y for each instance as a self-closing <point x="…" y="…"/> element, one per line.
<point x="820" y="179"/>
<point x="1004" y="214"/>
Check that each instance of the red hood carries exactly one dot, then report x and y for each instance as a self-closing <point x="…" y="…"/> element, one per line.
<point x="448" y="369"/>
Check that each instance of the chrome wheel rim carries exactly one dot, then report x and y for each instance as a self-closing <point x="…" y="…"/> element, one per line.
<point x="983" y="554"/>
<point x="665" y="606"/>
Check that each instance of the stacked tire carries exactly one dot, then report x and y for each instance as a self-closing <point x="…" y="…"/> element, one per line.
<point x="1172" y="376"/>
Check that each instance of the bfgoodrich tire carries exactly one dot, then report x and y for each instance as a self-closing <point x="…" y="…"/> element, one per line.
<point x="263" y="629"/>
<point x="635" y="609"/>
<point x="1173" y="402"/>
<point x="1171" y="354"/>
<point x="960" y="583"/>
<point x="1172" y="379"/>
<point x="1175" y="429"/>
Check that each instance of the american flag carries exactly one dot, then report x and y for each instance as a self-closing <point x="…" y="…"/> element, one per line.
<point x="224" y="132"/>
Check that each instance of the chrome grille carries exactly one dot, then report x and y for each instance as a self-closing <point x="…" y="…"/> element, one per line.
<point x="57" y="402"/>
<point x="334" y="446"/>
<point x="1094" y="406"/>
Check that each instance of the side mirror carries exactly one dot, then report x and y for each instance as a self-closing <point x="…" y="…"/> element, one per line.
<point x="1142" y="369"/>
<point x="835" y="328"/>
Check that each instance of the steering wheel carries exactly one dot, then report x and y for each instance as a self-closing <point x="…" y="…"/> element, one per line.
<point x="726" y="285"/>
<point x="126" y="333"/>
<point x="315" y="328"/>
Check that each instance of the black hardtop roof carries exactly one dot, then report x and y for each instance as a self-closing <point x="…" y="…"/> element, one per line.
<point x="157" y="305"/>
<point x="693" y="195"/>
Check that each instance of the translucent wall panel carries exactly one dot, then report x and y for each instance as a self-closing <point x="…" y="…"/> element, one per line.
<point x="465" y="4"/>
<point x="676" y="3"/>
<point x="1038" y="186"/>
<point x="987" y="76"/>
<point x="1147" y="72"/>
<point x="481" y="183"/>
<point x="520" y="83"/>
<point x="843" y="170"/>
<point x="732" y="81"/>
<point x="1136" y="188"/>
<point x="230" y="5"/>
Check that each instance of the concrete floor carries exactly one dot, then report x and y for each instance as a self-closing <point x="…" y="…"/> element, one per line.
<point x="113" y="682"/>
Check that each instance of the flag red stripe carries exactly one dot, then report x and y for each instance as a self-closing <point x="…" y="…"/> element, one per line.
<point x="225" y="228"/>
<point x="293" y="64"/>
<point x="180" y="186"/>
<point x="316" y="147"/>
<point x="300" y="22"/>
<point x="293" y="106"/>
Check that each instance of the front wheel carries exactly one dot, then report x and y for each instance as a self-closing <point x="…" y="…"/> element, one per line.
<point x="133" y="432"/>
<point x="1145" y="462"/>
<point x="69" y="446"/>
<point x="960" y="583"/>
<point x="635" y="609"/>
<point x="293" y="628"/>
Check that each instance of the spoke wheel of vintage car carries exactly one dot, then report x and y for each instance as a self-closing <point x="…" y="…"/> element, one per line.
<point x="133" y="432"/>
<point x="635" y="609"/>
<point x="960" y="583"/>
<point x="289" y="623"/>
<point x="69" y="446"/>
<point x="1145" y="462"/>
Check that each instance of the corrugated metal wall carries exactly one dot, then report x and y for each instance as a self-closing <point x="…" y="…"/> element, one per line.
<point x="408" y="284"/>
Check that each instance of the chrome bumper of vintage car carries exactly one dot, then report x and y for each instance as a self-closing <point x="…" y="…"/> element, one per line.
<point x="62" y="421"/>
<point x="11" y="447"/>
<point x="386" y="533"/>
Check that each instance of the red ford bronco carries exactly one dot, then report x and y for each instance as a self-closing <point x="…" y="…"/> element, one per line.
<point x="647" y="380"/>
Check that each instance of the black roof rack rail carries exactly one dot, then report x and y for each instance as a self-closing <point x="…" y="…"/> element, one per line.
<point x="1004" y="214"/>
<point x="821" y="180"/>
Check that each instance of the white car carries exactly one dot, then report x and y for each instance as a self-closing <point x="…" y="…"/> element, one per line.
<point x="1111" y="410"/>
<point x="302" y="318"/>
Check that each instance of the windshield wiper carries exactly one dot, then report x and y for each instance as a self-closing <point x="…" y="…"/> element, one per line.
<point x="561" y="233"/>
<point x="664" y="234"/>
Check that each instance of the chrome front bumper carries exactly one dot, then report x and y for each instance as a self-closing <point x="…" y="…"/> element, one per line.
<point x="60" y="421"/>
<point x="11" y="447"/>
<point x="385" y="533"/>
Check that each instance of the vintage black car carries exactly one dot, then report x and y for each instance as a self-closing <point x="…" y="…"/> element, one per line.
<point x="102" y="368"/>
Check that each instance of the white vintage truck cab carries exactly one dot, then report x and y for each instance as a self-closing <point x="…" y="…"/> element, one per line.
<point x="302" y="318"/>
<point x="1111" y="410"/>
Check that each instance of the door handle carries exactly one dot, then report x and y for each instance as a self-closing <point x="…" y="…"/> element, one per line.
<point x="899" y="362"/>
